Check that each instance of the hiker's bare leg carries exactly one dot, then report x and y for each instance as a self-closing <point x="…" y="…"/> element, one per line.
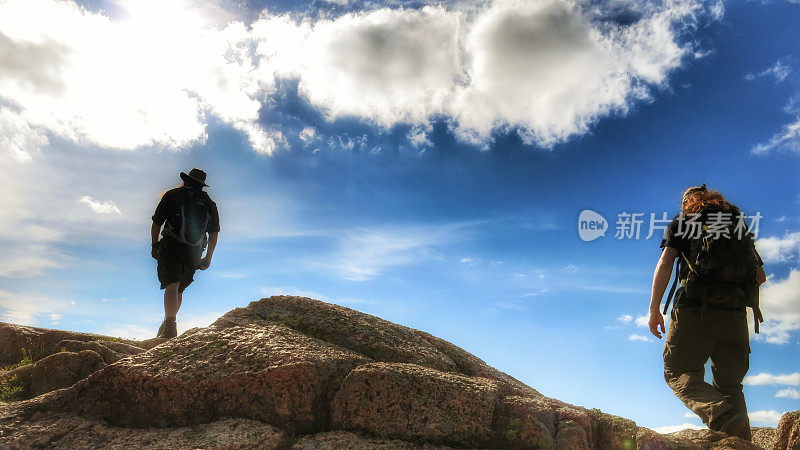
<point x="180" y="300"/>
<point x="171" y="300"/>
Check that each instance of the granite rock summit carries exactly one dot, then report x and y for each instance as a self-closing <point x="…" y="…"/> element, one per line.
<point x="292" y="372"/>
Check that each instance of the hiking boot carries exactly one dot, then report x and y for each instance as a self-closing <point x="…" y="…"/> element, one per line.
<point x="168" y="328"/>
<point x="738" y="425"/>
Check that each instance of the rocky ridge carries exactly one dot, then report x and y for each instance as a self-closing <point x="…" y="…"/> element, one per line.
<point x="292" y="372"/>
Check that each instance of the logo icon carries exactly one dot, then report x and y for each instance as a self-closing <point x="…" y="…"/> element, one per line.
<point x="591" y="225"/>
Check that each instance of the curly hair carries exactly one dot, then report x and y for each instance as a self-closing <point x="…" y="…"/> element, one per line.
<point x="699" y="197"/>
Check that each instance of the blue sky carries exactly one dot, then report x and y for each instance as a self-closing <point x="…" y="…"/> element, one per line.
<point x="426" y="164"/>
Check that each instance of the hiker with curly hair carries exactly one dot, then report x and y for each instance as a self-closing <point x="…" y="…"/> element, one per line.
<point x="191" y="222"/>
<point x="719" y="271"/>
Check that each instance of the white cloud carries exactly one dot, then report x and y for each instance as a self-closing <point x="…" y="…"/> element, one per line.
<point x="418" y="137"/>
<point x="535" y="293"/>
<point x="40" y="216"/>
<point x="643" y="321"/>
<point x="263" y="141"/>
<point x="789" y="393"/>
<point x="552" y="68"/>
<point x="17" y="137"/>
<point x="780" y="70"/>
<point x="100" y="207"/>
<point x="510" y="306"/>
<point x="673" y="428"/>
<point x="717" y="9"/>
<point x="148" y="77"/>
<point x="769" y="418"/>
<point x="770" y="379"/>
<point x="130" y="331"/>
<point x="690" y="415"/>
<point x="780" y="306"/>
<point x="386" y="65"/>
<point x="363" y="254"/>
<point x="638" y="337"/>
<point x="231" y="275"/>
<point x="25" y="259"/>
<point x="189" y="320"/>
<point x="153" y="75"/>
<point x="625" y="318"/>
<point x="788" y="139"/>
<point x="277" y="290"/>
<point x="779" y="249"/>
<point x="308" y="134"/>
<point x="25" y="309"/>
<point x="545" y="66"/>
<point x="613" y="288"/>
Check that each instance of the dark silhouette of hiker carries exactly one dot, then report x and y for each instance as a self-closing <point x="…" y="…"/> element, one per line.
<point x="720" y="272"/>
<point x="191" y="223"/>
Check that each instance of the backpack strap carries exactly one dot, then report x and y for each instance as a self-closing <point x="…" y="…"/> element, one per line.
<point x="756" y="313"/>
<point x="672" y="289"/>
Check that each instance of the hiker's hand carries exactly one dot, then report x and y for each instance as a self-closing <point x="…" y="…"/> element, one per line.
<point x="757" y="314"/>
<point x="154" y="251"/>
<point x="656" y="323"/>
<point x="204" y="263"/>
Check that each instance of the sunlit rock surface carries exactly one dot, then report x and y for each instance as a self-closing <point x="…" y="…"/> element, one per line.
<point x="292" y="372"/>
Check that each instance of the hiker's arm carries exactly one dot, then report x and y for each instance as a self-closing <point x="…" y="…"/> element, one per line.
<point x="212" y="244"/>
<point x="660" y="280"/>
<point x="154" y="230"/>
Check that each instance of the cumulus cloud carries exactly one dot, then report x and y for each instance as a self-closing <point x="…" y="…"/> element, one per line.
<point x="780" y="249"/>
<point x="18" y="138"/>
<point x="386" y="65"/>
<point x="789" y="393"/>
<point x="638" y="337"/>
<point x="764" y="378"/>
<point x="153" y="75"/>
<point x="418" y="137"/>
<point x="548" y="68"/>
<point x="148" y="77"/>
<point x="308" y="134"/>
<point x="780" y="305"/>
<point x="770" y="418"/>
<point x="100" y="207"/>
<point x="625" y="318"/>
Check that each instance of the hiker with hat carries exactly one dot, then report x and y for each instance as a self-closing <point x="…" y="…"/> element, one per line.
<point x="190" y="224"/>
<point x="719" y="271"/>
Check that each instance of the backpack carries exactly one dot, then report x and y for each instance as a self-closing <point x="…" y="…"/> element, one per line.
<point x="720" y="268"/>
<point x="190" y="221"/>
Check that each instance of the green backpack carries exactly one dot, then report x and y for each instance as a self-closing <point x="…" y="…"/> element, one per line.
<point x="720" y="269"/>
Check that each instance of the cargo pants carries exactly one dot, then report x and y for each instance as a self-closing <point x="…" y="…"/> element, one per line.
<point x="723" y="337"/>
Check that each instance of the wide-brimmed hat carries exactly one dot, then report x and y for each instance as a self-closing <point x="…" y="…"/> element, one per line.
<point x="195" y="175"/>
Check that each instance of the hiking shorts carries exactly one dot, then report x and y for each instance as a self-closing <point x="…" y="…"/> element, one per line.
<point x="177" y="263"/>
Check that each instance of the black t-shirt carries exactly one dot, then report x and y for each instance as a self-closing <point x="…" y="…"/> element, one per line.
<point x="170" y="205"/>
<point x="674" y="236"/>
<point x="678" y="235"/>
